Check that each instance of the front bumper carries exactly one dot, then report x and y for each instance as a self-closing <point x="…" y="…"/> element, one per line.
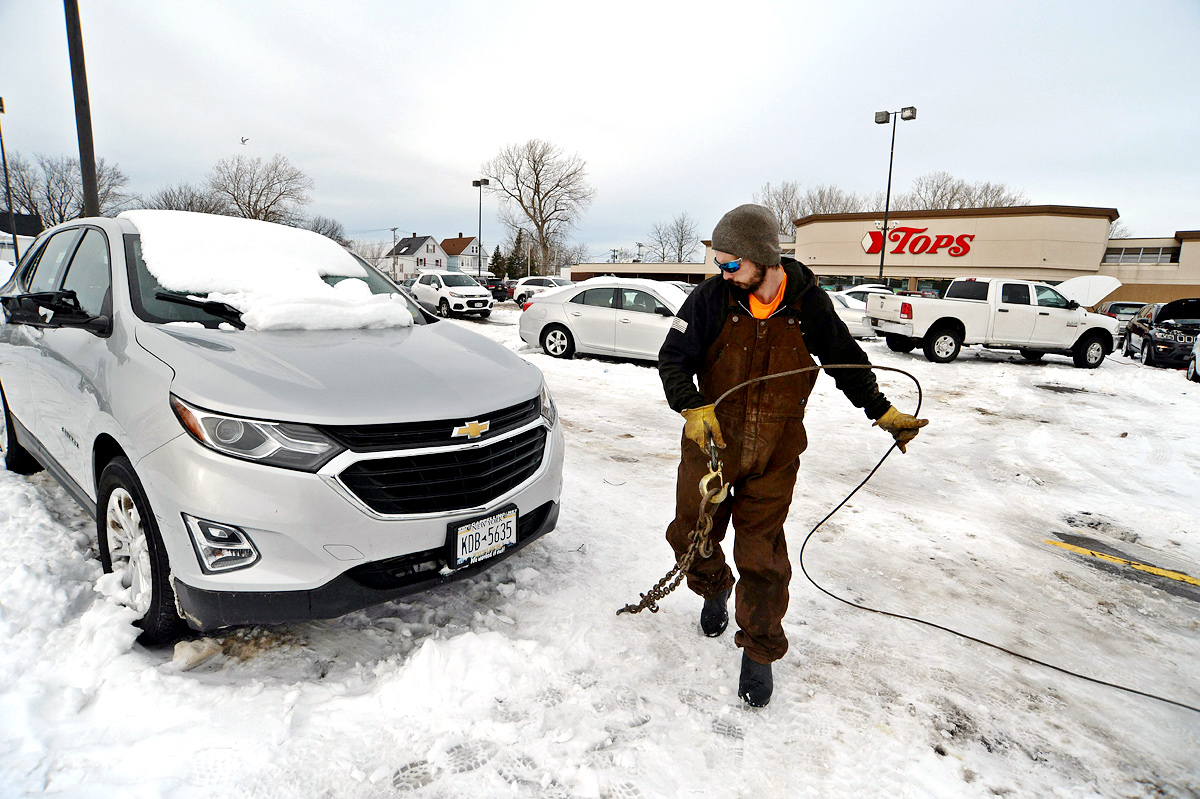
<point x="360" y="587"/>
<point x="471" y="304"/>
<point x="1172" y="353"/>
<point x="309" y="532"/>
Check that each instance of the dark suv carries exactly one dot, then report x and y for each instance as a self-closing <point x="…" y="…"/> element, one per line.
<point x="1163" y="334"/>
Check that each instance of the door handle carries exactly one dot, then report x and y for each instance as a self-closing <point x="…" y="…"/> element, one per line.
<point x="576" y="313"/>
<point x="1043" y="313"/>
<point x="626" y="321"/>
<point x="1001" y="310"/>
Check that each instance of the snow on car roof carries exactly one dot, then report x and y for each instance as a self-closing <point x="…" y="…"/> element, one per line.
<point x="273" y="274"/>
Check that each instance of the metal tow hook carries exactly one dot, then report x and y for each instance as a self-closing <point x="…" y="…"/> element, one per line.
<point x="711" y="496"/>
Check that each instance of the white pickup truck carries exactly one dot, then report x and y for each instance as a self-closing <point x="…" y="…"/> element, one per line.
<point x="1000" y="313"/>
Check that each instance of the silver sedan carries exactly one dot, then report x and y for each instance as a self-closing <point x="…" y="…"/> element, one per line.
<point x="626" y="317"/>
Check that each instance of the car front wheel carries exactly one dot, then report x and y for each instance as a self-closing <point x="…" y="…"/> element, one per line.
<point x="1147" y="353"/>
<point x="1089" y="353"/>
<point x="132" y="549"/>
<point x="1191" y="371"/>
<point x="444" y="309"/>
<point x="557" y="342"/>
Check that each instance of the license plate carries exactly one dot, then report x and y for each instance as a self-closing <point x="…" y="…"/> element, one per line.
<point x="480" y="539"/>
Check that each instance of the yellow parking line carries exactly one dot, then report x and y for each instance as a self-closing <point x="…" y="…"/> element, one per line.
<point x="1170" y="575"/>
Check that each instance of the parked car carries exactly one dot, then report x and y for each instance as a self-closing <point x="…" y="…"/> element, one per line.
<point x="627" y="317"/>
<point x="1193" y="367"/>
<point x="243" y="467"/>
<point x="1001" y="313"/>
<point x="1122" y="311"/>
<point x="852" y="312"/>
<point x="930" y="293"/>
<point x="526" y="287"/>
<point x="408" y="283"/>
<point x="502" y="289"/>
<point x="861" y="292"/>
<point x="685" y="287"/>
<point x="1163" y="334"/>
<point x="447" y="293"/>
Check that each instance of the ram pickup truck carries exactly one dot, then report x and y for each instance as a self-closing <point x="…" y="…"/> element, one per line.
<point x="1000" y="313"/>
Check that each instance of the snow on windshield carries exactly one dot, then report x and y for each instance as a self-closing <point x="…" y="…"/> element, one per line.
<point x="272" y="273"/>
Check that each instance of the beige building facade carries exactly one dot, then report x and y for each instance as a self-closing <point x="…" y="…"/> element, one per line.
<point x="928" y="249"/>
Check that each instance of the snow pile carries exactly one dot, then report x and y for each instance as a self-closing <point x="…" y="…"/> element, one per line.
<point x="272" y="273"/>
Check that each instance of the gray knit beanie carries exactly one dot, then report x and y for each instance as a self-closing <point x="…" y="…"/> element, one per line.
<point x="748" y="231"/>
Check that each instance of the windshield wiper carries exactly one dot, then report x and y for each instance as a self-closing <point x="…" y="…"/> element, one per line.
<point x="221" y="310"/>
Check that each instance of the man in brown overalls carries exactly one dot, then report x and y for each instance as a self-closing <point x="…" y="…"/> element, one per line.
<point x="762" y="315"/>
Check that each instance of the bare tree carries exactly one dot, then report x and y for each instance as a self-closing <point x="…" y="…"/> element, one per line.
<point x="372" y="252"/>
<point x="828" y="199"/>
<point x="52" y="188"/>
<point x="941" y="190"/>
<point x="329" y="228"/>
<point x="185" y="197"/>
<point x="673" y="241"/>
<point x="784" y="203"/>
<point x="273" y="191"/>
<point x="541" y="190"/>
<point x="1119" y="230"/>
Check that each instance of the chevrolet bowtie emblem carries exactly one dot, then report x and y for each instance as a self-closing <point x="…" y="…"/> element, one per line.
<point x="471" y="430"/>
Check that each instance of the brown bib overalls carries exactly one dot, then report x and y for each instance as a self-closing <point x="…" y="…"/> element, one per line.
<point x="763" y="428"/>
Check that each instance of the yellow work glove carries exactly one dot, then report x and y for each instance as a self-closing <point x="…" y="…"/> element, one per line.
<point x="700" y="420"/>
<point x="902" y="426"/>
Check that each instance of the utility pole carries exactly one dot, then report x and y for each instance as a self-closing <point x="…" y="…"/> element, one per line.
<point x="83" y="110"/>
<point x="395" y="244"/>
<point x="12" y="219"/>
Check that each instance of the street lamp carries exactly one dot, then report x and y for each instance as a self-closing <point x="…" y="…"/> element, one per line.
<point x="479" y="241"/>
<point x="882" y="118"/>
<point x="12" y="218"/>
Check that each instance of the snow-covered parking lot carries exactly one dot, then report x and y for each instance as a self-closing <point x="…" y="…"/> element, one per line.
<point x="525" y="683"/>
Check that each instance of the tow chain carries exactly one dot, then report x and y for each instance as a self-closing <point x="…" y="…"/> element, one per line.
<point x="698" y="541"/>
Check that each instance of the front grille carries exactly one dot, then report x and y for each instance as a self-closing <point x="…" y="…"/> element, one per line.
<point x="408" y="435"/>
<point x="445" y="481"/>
<point x="407" y="569"/>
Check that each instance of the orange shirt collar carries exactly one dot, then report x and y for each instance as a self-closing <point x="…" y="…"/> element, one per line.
<point x="762" y="310"/>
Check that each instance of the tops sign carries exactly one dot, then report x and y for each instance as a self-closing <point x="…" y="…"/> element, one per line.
<point x="912" y="240"/>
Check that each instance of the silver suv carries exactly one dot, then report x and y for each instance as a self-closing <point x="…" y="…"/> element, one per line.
<point x="241" y="475"/>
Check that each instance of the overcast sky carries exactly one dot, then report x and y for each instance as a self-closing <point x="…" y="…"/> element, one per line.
<point x="391" y="107"/>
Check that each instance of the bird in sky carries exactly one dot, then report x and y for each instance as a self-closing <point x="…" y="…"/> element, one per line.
<point x="244" y="140"/>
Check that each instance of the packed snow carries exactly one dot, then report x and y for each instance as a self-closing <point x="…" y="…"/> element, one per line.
<point x="273" y="274"/>
<point x="524" y="683"/>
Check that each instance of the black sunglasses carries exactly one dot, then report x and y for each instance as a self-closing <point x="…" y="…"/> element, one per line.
<point x="728" y="266"/>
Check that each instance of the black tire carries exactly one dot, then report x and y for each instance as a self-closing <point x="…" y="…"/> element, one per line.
<point x="121" y="511"/>
<point x="485" y="314"/>
<point x="942" y="345"/>
<point x="1089" y="352"/>
<point x="557" y="342"/>
<point x="1192" y="374"/>
<point x="898" y="343"/>
<point x="444" y="309"/>
<point x="520" y="299"/>
<point x="1147" y="355"/>
<point x="1033" y="356"/>
<point x="16" y="458"/>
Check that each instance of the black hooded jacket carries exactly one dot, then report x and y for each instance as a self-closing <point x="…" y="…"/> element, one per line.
<point x="702" y="316"/>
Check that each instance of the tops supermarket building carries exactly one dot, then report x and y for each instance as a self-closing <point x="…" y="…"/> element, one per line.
<point x="927" y="249"/>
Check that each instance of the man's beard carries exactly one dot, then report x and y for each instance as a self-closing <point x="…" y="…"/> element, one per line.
<point x="754" y="282"/>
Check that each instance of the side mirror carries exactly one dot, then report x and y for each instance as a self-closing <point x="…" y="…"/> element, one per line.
<point x="1072" y="305"/>
<point x="663" y="311"/>
<point x="53" y="309"/>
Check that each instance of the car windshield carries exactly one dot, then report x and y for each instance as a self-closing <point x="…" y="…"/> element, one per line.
<point x="458" y="280"/>
<point x="144" y="289"/>
<point x="558" y="281"/>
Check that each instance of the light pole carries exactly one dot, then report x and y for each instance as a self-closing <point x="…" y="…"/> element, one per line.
<point x="479" y="240"/>
<point x="83" y="110"/>
<point x="882" y="118"/>
<point x="395" y="244"/>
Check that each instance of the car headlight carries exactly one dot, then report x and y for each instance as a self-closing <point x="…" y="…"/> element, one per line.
<point x="291" y="446"/>
<point x="549" y="410"/>
<point x="456" y="294"/>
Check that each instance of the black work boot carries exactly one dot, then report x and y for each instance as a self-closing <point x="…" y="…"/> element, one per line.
<point x="755" y="684"/>
<point x="714" y="617"/>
